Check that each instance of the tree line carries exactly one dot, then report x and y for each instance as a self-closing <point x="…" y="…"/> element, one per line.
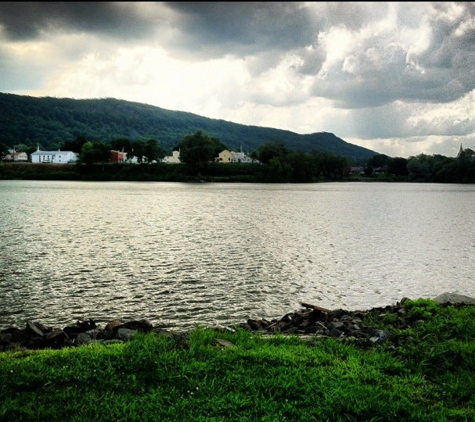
<point x="424" y="168"/>
<point x="276" y="163"/>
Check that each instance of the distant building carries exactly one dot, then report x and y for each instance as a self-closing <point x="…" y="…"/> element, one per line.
<point x="241" y="157"/>
<point x="466" y="153"/>
<point x="356" y="170"/>
<point x="54" y="157"/>
<point x="227" y="156"/>
<point x="118" y="156"/>
<point x="16" y="156"/>
<point x="172" y="159"/>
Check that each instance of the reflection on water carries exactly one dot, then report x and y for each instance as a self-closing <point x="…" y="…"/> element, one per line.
<point x="185" y="254"/>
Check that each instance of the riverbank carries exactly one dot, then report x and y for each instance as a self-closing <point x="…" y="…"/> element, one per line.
<point x="160" y="172"/>
<point x="422" y="371"/>
<point x="310" y="320"/>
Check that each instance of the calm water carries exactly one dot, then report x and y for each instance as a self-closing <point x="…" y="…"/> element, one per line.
<point x="180" y="254"/>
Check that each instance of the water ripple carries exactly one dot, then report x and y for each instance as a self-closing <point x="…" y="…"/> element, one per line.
<point x="182" y="254"/>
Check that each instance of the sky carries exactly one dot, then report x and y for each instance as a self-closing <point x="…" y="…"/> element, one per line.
<point x="395" y="77"/>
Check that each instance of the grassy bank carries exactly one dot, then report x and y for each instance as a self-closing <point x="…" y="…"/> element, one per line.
<point x="208" y="375"/>
<point x="216" y="172"/>
<point x="235" y="172"/>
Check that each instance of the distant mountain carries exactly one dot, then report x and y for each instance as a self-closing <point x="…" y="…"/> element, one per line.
<point x="50" y="122"/>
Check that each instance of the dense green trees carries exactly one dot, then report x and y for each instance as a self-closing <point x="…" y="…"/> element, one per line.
<point x="272" y="150"/>
<point x="75" y="145"/>
<point x="197" y="151"/>
<point x="153" y="151"/>
<point x="94" y="152"/>
<point x="122" y="144"/>
<point x="284" y="165"/>
<point x="425" y="168"/>
<point x="21" y="147"/>
<point x="382" y="163"/>
<point x="274" y="155"/>
<point x="440" y="169"/>
<point x="3" y="150"/>
<point x="420" y="168"/>
<point x="398" y="166"/>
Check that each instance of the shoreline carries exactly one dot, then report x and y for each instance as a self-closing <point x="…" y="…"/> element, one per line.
<point x="311" y="321"/>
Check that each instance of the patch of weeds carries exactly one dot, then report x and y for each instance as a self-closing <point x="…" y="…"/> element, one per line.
<point x="421" y="309"/>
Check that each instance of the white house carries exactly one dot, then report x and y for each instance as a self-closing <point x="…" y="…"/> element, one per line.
<point x="54" y="157"/>
<point x="241" y="157"/>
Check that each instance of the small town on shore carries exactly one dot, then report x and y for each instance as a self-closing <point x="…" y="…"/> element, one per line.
<point x="271" y="162"/>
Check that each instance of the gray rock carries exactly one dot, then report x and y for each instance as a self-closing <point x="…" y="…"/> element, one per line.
<point x="57" y="338"/>
<point x="83" y="338"/>
<point x="125" y="333"/>
<point x="335" y="332"/>
<point x="454" y="298"/>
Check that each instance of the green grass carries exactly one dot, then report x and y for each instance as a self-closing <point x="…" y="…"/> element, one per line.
<point x="425" y="374"/>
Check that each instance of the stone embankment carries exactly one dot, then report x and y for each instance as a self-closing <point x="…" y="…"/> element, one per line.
<point x="35" y="335"/>
<point x="347" y="325"/>
<point x="310" y="321"/>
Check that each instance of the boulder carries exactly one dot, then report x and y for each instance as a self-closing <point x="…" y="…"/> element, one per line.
<point x="454" y="299"/>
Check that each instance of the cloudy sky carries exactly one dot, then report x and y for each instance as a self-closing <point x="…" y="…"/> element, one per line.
<point x="395" y="77"/>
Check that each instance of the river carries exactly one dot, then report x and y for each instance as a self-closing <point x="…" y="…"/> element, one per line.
<point x="181" y="254"/>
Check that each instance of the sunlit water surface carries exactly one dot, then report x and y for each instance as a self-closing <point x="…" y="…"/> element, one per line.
<point x="184" y="254"/>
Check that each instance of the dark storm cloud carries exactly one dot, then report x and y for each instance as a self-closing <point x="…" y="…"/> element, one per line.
<point x="27" y="20"/>
<point x="243" y="27"/>
<point x="207" y="26"/>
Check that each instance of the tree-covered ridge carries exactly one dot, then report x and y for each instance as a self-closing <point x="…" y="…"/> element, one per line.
<point x="51" y="122"/>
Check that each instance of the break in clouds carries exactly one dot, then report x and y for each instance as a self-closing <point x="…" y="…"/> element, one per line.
<point x="395" y="77"/>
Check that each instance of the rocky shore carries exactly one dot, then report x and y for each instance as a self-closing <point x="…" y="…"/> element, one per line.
<point x="310" y="321"/>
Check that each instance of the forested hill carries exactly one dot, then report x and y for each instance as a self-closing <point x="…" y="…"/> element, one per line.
<point x="50" y="122"/>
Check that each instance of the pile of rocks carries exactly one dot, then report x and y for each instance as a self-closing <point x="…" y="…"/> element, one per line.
<point x="37" y="336"/>
<point x="311" y="321"/>
<point x="317" y="321"/>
